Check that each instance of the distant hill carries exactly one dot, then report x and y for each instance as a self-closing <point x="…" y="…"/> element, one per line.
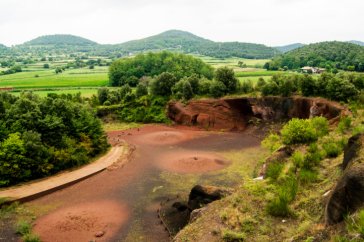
<point x="286" y="48"/>
<point x="60" y="39"/>
<point x="3" y="46"/>
<point x="357" y="42"/>
<point x="190" y="43"/>
<point x="329" y="55"/>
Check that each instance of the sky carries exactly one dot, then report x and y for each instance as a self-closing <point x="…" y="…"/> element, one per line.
<point x="270" y="22"/>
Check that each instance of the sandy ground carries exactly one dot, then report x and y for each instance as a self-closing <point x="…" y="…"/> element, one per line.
<point x="118" y="201"/>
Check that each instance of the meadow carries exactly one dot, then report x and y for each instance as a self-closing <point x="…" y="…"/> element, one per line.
<point x="86" y="81"/>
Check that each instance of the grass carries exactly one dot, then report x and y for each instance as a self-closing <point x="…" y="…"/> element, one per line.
<point x="85" y="92"/>
<point x="114" y="125"/>
<point x="49" y="79"/>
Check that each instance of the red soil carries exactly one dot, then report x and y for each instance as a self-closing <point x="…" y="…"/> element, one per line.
<point x="191" y="162"/>
<point x="81" y="222"/>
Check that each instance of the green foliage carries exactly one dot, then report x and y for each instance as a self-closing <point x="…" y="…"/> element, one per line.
<point x="141" y="90"/>
<point x="217" y="89"/>
<point x="332" y="149"/>
<point x="23" y="227"/>
<point x="356" y="223"/>
<point x="298" y="131"/>
<point x="183" y="89"/>
<point x="154" y="64"/>
<point x="287" y="191"/>
<point x="226" y="76"/>
<point x="247" y="86"/>
<point x="40" y="137"/>
<point x="298" y="159"/>
<point x="344" y="124"/>
<point x="274" y="169"/>
<point x="329" y="55"/>
<point x="31" y="238"/>
<point x="321" y="126"/>
<point x="232" y="236"/>
<point x="272" y="142"/>
<point x="204" y="86"/>
<point x="307" y="176"/>
<point x="162" y="84"/>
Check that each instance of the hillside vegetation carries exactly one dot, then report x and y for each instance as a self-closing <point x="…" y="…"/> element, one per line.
<point x="286" y="48"/>
<point x="60" y="39"/>
<point x="189" y="43"/>
<point x="330" y="55"/>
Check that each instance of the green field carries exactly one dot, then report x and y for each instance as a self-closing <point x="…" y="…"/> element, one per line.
<point x="49" y="79"/>
<point x="85" y="92"/>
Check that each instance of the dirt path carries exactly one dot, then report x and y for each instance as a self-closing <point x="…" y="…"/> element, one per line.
<point x="122" y="203"/>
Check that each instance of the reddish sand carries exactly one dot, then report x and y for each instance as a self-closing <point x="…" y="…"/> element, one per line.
<point x="117" y="200"/>
<point x="82" y="222"/>
<point x="191" y="162"/>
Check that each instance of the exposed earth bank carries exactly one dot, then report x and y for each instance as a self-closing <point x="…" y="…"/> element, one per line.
<point x="237" y="113"/>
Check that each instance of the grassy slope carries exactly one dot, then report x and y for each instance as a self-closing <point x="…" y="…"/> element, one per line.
<point x="244" y="212"/>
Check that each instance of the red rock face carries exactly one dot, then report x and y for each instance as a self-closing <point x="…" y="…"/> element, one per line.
<point x="236" y="113"/>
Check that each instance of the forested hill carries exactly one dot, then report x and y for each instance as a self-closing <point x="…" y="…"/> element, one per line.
<point x="357" y="42"/>
<point x="330" y="55"/>
<point x="60" y="39"/>
<point x="286" y="48"/>
<point x="190" y="43"/>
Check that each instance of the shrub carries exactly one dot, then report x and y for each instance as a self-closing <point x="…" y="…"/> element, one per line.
<point x="274" y="169"/>
<point x="260" y="84"/>
<point x="162" y="84"/>
<point x="232" y="236"/>
<point x="298" y="131"/>
<point x="344" y="124"/>
<point x="321" y="125"/>
<point x="141" y="90"/>
<point x="204" y="86"/>
<point x="307" y="176"/>
<point x="332" y="149"/>
<point x="22" y="228"/>
<point x="31" y="238"/>
<point x="217" y="89"/>
<point x="287" y="192"/>
<point x="183" y="89"/>
<point x="227" y="77"/>
<point x="247" y="86"/>
<point x="298" y="159"/>
<point x="272" y="142"/>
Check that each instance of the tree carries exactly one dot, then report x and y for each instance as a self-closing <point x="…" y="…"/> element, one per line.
<point x="103" y="94"/>
<point x="217" y="89"/>
<point x="46" y="66"/>
<point x="141" y="90"/>
<point x="182" y="89"/>
<point x="162" y="84"/>
<point x="226" y="76"/>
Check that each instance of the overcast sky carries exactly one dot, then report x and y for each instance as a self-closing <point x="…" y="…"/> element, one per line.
<point x="270" y="22"/>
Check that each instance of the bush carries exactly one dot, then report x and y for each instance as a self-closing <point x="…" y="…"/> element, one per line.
<point x="298" y="159"/>
<point x="23" y="228"/>
<point x="298" y="131"/>
<point x="332" y="149"/>
<point x="287" y="192"/>
<point x="247" y="86"/>
<point x="274" y="170"/>
<point x="141" y="90"/>
<point x="232" y="236"/>
<point x="344" y="124"/>
<point x="217" y="89"/>
<point x="31" y="238"/>
<point x="183" y="89"/>
<point x="321" y="126"/>
<point x="227" y="77"/>
<point x="204" y="86"/>
<point x="162" y="84"/>
<point x="307" y="176"/>
<point x="272" y="142"/>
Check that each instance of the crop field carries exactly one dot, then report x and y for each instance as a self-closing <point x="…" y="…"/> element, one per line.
<point x="233" y="62"/>
<point x="49" y="79"/>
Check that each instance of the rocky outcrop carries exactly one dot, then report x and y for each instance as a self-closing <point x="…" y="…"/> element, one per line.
<point x="236" y="113"/>
<point x="175" y="213"/>
<point x="202" y="195"/>
<point x="348" y="195"/>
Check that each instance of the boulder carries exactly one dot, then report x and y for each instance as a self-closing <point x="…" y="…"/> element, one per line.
<point x="202" y="195"/>
<point x="348" y="195"/>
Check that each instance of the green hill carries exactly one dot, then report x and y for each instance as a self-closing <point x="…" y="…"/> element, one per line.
<point x="357" y="42"/>
<point x="190" y="43"/>
<point x="60" y="39"/>
<point x="330" y="55"/>
<point x="286" y="48"/>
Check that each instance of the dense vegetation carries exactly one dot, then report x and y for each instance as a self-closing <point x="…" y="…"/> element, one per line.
<point x="330" y="55"/>
<point x="189" y="43"/>
<point x="130" y="70"/>
<point x="39" y="137"/>
<point x="286" y="48"/>
<point x="60" y="39"/>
